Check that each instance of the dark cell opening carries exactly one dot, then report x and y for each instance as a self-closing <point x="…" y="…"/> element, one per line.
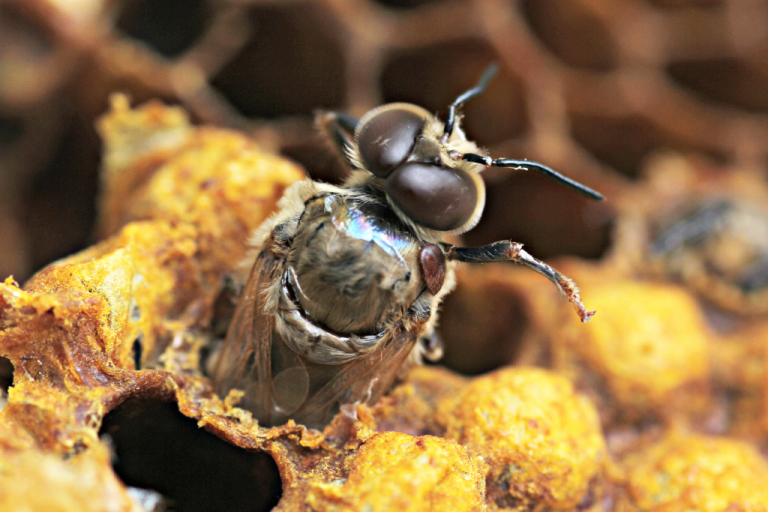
<point x="549" y="219"/>
<point x="625" y="143"/>
<point x="62" y="223"/>
<point x="319" y="161"/>
<point x="6" y="374"/>
<point x="493" y="336"/>
<point x="293" y="63"/>
<point x="158" y="448"/>
<point x="168" y="26"/>
<point x="10" y="131"/>
<point x="681" y="4"/>
<point x="725" y="81"/>
<point x="621" y="143"/>
<point x="26" y="30"/>
<point x="572" y="33"/>
<point x="406" y="4"/>
<point x="434" y="76"/>
<point x="137" y="350"/>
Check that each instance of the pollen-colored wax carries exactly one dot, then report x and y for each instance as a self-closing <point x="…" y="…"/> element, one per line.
<point x="159" y="166"/>
<point x="649" y="347"/>
<point x="540" y="438"/>
<point x="404" y="473"/>
<point x="32" y="481"/>
<point x="693" y="472"/>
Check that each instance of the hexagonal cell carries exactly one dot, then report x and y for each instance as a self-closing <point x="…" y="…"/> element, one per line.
<point x="406" y="4"/>
<point x="727" y="81"/>
<point x="293" y="63"/>
<point x="18" y="21"/>
<point x="548" y="218"/>
<point x="27" y="134"/>
<point x="27" y="50"/>
<point x="318" y="160"/>
<point x="60" y="223"/>
<point x="624" y="143"/>
<point x="678" y="4"/>
<point x="6" y="375"/>
<point x="620" y="143"/>
<point x="11" y="130"/>
<point x="491" y="303"/>
<point x="158" y="448"/>
<point x="434" y="76"/>
<point x="573" y="33"/>
<point x="170" y="27"/>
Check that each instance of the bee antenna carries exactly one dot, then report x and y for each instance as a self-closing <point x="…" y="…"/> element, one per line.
<point x="533" y="166"/>
<point x="474" y="92"/>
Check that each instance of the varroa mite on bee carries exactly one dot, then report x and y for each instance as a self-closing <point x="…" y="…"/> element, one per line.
<point x="348" y="279"/>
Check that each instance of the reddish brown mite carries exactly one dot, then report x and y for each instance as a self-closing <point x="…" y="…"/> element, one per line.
<point x="432" y="264"/>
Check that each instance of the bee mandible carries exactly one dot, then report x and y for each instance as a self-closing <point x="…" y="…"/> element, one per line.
<point x="348" y="279"/>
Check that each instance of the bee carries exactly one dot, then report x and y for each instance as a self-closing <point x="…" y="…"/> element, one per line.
<point x="718" y="247"/>
<point x="348" y="279"/>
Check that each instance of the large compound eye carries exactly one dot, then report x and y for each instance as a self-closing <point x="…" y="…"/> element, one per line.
<point x="387" y="138"/>
<point x="435" y="197"/>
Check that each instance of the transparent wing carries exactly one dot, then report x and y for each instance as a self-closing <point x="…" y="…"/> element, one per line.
<point x="362" y="380"/>
<point x="244" y="361"/>
<point x="280" y="384"/>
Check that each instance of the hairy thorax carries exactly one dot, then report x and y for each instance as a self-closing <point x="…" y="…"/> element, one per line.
<point x="353" y="265"/>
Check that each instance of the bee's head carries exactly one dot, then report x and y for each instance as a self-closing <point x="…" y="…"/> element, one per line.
<point x="429" y="168"/>
<point x="398" y="143"/>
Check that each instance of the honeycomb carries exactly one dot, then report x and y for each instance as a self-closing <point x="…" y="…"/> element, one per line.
<point x="659" y="104"/>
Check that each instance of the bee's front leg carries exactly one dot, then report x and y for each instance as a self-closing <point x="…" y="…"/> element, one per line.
<point x="339" y="129"/>
<point x="513" y="251"/>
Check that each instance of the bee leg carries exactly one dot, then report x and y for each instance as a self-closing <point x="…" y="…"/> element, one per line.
<point x="474" y="92"/>
<point x="338" y="128"/>
<point x="513" y="251"/>
<point x="431" y="347"/>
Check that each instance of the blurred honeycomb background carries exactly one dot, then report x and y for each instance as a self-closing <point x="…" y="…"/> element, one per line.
<point x="655" y="103"/>
<point x="589" y="87"/>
